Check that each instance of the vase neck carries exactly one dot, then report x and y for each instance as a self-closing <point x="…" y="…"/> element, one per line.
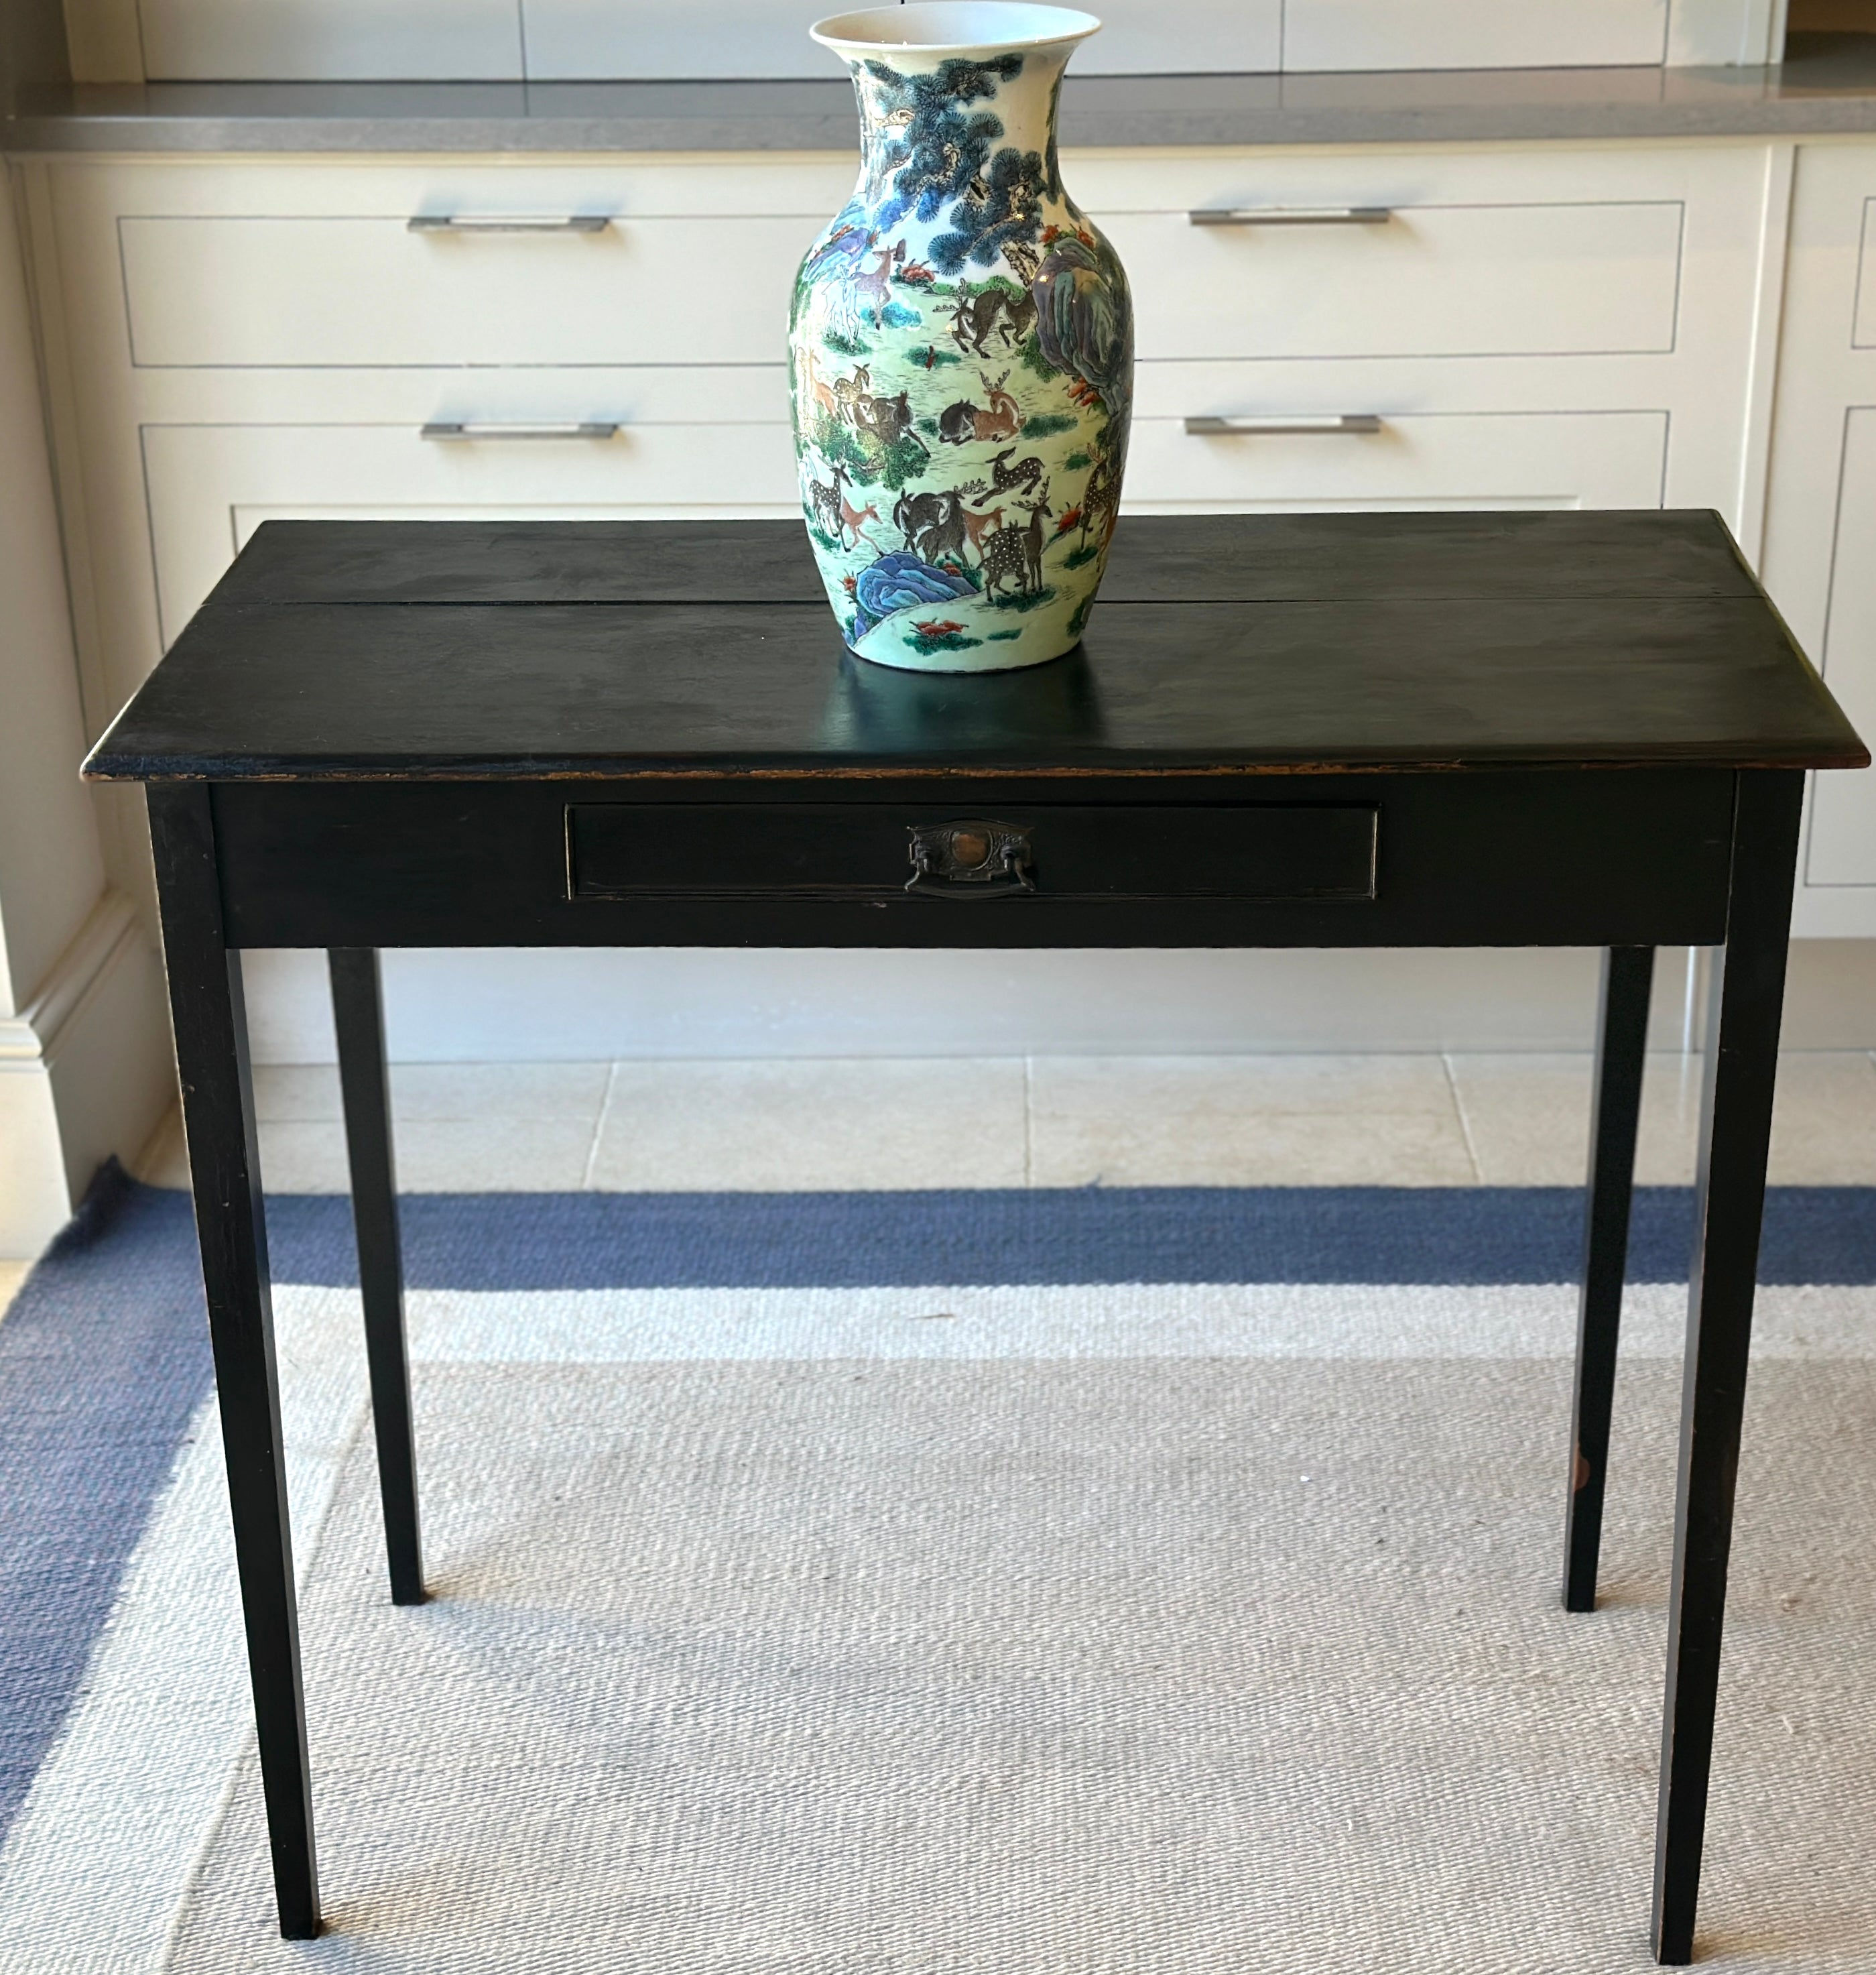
<point x="927" y="128"/>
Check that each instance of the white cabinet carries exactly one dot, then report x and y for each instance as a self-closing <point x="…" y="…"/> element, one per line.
<point x="211" y="486"/>
<point x="292" y="290"/>
<point x="1821" y="509"/>
<point x="1534" y="326"/>
<point x="1523" y="251"/>
<point x="229" y="341"/>
<point x="1841" y="855"/>
<point x="233" y="339"/>
<point x="1531" y="325"/>
<point x="1495" y="277"/>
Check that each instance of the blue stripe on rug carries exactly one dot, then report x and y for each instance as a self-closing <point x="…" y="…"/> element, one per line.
<point x="1470" y="1235"/>
<point x="1461" y="1235"/>
<point x="103" y="1357"/>
<point x="103" y="1360"/>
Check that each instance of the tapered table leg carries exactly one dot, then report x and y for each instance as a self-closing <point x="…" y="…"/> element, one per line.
<point x="358" y="1014"/>
<point x="1742" y="1062"/>
<point x="218" y="1122"/>
<point x="1622" y="1044"/>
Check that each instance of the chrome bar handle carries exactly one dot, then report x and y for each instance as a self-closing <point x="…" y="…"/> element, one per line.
<point x="474" y="428"/>
<point x="508" y="222"/>
<point x="1299" y="421"/>
<point x="1290" y="215"/>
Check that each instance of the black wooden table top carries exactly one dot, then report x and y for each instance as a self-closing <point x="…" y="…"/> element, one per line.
<point x="1278" y="643"/>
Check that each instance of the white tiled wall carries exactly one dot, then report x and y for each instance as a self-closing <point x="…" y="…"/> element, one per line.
<point x="1471" y="34"/>
<point x="563" y="39"/>
<point x="550" y="40"/>
<point x="330" y="40"/>
<point x="570" y="38"/>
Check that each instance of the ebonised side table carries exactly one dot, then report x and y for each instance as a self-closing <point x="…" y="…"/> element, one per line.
<point x="1357" y="731"/>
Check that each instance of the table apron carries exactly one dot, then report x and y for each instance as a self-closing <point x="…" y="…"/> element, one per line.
<point x="1497" y="858"/>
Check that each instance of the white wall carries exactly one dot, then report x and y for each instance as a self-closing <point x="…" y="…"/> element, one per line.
<point x="51" y="869"/>
<point x="83" y="1046"/>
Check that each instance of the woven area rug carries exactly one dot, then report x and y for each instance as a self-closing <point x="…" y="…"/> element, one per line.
<point x="1046" y="1583"/>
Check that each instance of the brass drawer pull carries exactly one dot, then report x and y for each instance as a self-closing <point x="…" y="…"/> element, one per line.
<point x="973" y="859"/>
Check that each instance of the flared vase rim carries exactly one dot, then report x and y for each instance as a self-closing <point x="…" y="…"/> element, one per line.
<point x="936" y="30"/>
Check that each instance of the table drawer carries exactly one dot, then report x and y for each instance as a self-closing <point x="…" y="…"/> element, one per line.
<point x="1263" y="852"/>
<point x="1537" y="279"/>
<point x="368" y="292"/>
<point x="1586" y="859"/>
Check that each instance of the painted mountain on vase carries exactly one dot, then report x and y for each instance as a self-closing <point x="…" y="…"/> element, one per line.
<point x="962" y="347"/>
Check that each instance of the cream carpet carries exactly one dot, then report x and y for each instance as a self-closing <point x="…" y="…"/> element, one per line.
<point x="1177" y="1667"/>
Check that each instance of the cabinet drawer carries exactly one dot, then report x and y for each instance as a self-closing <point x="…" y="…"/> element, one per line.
<point x="1512" y="459"/>
<point x="1533" y="279"/>
<point x="217" y="290"/>
<point x="1821" y="507"/>
<point x="1269" y="853"/>
<point x="1842" y="848"/>
<point x="211" y="486"/>
<point x="1539" y="279"/>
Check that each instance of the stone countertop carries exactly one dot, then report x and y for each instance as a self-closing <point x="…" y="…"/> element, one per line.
<point x="1829" y="87"/>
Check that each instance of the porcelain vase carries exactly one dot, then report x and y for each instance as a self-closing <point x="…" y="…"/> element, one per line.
<point x="962" y="348"/>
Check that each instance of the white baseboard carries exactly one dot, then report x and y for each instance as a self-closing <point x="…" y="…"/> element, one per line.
<point x="86" y="1071"/>
<point x="35" y="1201"/>
<point x="569" y="1005"/>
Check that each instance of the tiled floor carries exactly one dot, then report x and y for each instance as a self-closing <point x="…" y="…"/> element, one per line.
<point x="1043" y="1121"/>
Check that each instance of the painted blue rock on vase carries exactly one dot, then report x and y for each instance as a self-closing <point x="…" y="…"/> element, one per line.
<point x="962" y="350"/>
